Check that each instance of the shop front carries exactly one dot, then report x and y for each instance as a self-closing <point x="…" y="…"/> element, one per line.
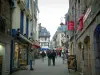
<point x="20" y="56"/>
<point x="20" y="48"/>
<point x="5" y="47"/>
<point x="2" y="59"/>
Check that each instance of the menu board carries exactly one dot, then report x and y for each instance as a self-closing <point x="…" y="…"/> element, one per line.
<point x="0" y="65"/>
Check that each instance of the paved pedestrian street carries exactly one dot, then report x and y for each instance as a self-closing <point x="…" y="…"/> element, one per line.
<point x="42" y="68"/>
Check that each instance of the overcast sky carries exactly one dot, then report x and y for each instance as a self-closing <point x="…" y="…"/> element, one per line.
<point x="51" y="12"/>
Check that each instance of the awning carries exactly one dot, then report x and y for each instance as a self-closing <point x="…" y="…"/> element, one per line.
<point x="44" y="48"/>
<point x="24" y="39"/>
<point x="58" y="48"/>
<point x="36" y="44"/>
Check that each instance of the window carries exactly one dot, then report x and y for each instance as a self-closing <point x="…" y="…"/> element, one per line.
<point x="83" y="54"/>
<point x="27" y="3"/>
<point x="62" y="35"/>
<point x="45" y="39"/>
<point x="44" y="33"/>
<point x="21" y="22"/>
<point x="41" y="44"/>
<point x="79" y="6"/>
<point x="27" y="24"/>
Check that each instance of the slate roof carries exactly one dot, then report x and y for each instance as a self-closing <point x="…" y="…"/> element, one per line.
<point x="44" y="32"/>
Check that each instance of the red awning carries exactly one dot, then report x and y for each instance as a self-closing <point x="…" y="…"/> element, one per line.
<point x="58" y="48"/>
<point x="36" y="44"/>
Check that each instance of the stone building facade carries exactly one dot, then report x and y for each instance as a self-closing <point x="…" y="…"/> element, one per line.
<point x="5" y="36"/>
<point x="87" y="39"/>
<point x="44" y="38"/>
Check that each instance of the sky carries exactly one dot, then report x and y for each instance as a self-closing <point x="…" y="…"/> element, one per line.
<point x="52" y="13"/>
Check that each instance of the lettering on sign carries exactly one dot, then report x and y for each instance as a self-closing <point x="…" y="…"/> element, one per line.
<point x="86" y="14"/>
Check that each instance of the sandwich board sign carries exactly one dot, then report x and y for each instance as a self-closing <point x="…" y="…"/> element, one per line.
<point x="72" y="64"/>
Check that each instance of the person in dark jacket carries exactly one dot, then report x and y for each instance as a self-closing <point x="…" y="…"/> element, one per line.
<point x="43" y="54"/>
<point x="53" y="56"/>
<point x="49" y="57"/>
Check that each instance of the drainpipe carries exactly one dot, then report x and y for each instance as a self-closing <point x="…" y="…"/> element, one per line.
<point x="75" y="32"/>
<point x="32" y="5"/>
<point x="74" y="27"/>
<point x="11" y="55"/>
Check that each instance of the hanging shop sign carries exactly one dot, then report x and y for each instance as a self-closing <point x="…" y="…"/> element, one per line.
<point x="86" y="14"/>
<point x="72" y="62"/>
<point x="71" y="25"/>
<point x="80" y="27"/>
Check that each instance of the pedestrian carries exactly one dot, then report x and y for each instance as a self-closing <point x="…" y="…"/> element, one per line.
<point x="31" y="60"/>
<point x="43" y="54"/>
<point x="49" y="57"/>
<point x="63" y="56"/>
<point x="53" y="56"/>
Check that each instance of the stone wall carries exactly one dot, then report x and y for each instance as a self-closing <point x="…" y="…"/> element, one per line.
<point x="5" y="12"/>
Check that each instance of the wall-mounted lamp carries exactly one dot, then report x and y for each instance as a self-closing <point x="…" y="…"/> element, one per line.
<point x="1" y="47"/>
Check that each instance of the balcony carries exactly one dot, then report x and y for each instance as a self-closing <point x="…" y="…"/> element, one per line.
<point x="21" y="4"/>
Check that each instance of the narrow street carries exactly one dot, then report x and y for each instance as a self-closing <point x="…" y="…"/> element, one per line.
<point x="41" y="68"/>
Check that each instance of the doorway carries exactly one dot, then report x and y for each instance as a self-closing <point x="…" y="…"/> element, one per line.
<point x="2" y="59"/>
<point x="87" y="56"/>
<point x="97" y="49"/>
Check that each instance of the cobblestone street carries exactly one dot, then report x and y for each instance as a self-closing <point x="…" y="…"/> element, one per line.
<point x="41" y="68"/>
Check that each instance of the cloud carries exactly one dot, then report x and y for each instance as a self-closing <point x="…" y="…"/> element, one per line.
<point x="51" y="12"/>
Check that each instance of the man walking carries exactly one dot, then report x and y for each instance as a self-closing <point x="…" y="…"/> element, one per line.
<point x="31" y="60"/>
<point x="49" y="57"/>
<point x="43" y="54"/>
<point x="53" y="56"/>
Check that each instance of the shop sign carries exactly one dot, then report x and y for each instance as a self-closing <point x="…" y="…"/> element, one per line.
<point x="80" y="27"/>
<point x="72" y="62"/>
<point x="71" y="25"/>
<point x="86" y="14"/>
